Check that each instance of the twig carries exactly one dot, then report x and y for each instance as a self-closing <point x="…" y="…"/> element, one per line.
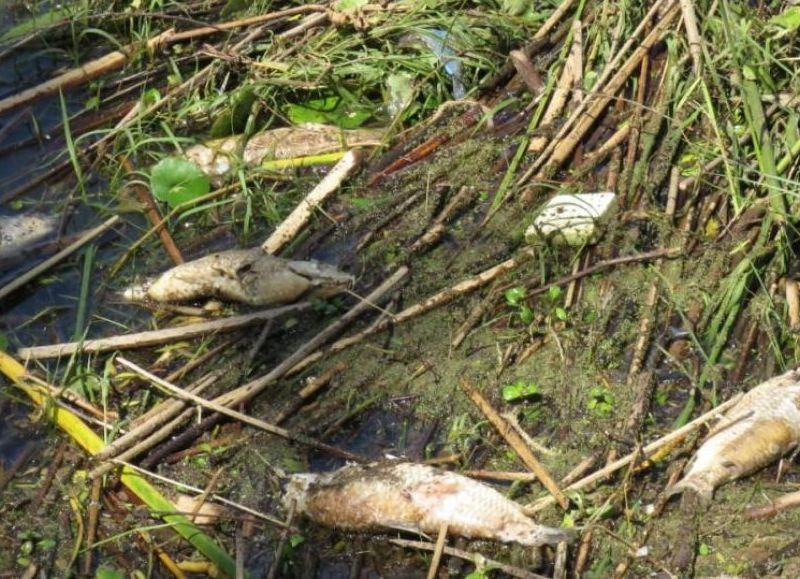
<point x="298" y="218"/>
<point x="276" y="560"/>
<point x="646" y="452"/>
<point x="437" y="552"/>
<point x="82" y="74"/>
<point x="782" y="503"/>
<point x="563" y="91"/>
<point x="310" y="390"/>
<point x="693" y="36"/>
<point x="668" y="252"/>
<point x="146" y="199"/>
<point x="52" y="469"/>
<point x="60" y="256"/>
<point x="793" y="303"/>
<point x="219" y="408"/>
<point x="166" y="411"/>
<point x="566" y="145"/>
<point x="23" y="456"/>
<point x="475" y="316"/>
<point x="153" y="337"/>
<point x="91" y="526"/>
<point x="476" y="559"/>
<point x="515" y="441"/>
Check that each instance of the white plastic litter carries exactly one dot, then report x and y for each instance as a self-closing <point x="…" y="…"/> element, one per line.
<point x="573" y="220"/>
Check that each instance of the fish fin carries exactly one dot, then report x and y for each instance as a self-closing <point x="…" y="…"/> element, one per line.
<point x="696" y="484"/>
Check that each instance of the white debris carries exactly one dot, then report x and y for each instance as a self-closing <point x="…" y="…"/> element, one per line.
<point x="573" y="220"/>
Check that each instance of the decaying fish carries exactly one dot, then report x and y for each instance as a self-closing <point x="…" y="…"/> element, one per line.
<point x="762" y="427"/>
<point x="416" y="498"/>
<point x="20" y="231"/>
<point x="249" y="276"/>
<point x="217" y="158"/>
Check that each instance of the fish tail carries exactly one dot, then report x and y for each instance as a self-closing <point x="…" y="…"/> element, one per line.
<point x="696" y="483"/>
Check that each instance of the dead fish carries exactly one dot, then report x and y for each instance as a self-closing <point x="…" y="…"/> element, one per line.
<point x="762" y="427"/>
<point x="415" y="498"/>
<point x="218" y="158"/>
<point x="249" y="276"/>
<point x="20" y="231"/>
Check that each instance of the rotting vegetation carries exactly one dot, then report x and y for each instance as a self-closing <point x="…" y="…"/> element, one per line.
<point x="689" y="297"/>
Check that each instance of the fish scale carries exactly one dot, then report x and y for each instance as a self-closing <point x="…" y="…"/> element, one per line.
<point x="762" y="427"/>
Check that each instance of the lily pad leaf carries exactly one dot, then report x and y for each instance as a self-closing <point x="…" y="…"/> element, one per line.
<point x="175" y="181"/>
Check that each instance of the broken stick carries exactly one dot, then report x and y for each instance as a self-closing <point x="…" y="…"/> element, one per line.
<point x="516" y="442"/>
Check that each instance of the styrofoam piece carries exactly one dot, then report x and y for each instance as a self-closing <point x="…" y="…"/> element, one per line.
<point x="572" y="220"/>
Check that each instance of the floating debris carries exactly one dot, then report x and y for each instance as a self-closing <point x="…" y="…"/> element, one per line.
<point x="760" y="429"/>
<point x="218" y="158"/>
<point x="249" y="276"/>
<point x="572" y="219"/>
<point x="415" y="498"/>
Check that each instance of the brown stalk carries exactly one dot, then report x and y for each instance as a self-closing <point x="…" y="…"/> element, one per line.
<point x="515" y="441"/>
<point x="151" y="210"/>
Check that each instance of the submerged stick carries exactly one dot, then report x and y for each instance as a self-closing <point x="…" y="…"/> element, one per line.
<point x="645" y="452"/>
<point x="515" y="441"/>
<point x="61" y="255"/>
<point x="82" y="74"/>
<point x="154" y="337"/>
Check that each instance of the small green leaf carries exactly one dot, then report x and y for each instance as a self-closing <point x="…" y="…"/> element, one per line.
<point x="175" y="181"/>
<point x="109" y="573"/>
<point x="789" y="19"/>
<point x="519" y="390"/>
<point x="554" y="293"/>
<point x="526" y="314"/>
<point x="703" y="550"/>
<point x="331" y="110"/>
<point x="514" y="295"/>
<point x="561" y="314"/>
<point x="295" y="540"/>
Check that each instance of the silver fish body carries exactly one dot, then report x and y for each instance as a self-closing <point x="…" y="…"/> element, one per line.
<point x="762" y="427"/>
<point x="249" y="276"/>
<point x="416" y="498"/>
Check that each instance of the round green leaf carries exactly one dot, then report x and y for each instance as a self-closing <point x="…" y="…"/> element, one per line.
<point x="175" y="181"/>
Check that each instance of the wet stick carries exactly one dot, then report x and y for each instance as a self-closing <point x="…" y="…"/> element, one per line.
<point x="146" y="199"/>
<point x="82" y="74"/>
<point x="260" y="424"/>
<point x="515" y="441"/>
<point x="34" y="272"/>
<point x="154" y="337"/>
<point x="166" y="411"/>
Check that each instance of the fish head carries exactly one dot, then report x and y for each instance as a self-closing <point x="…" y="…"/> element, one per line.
<point x="324" y="279"/>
